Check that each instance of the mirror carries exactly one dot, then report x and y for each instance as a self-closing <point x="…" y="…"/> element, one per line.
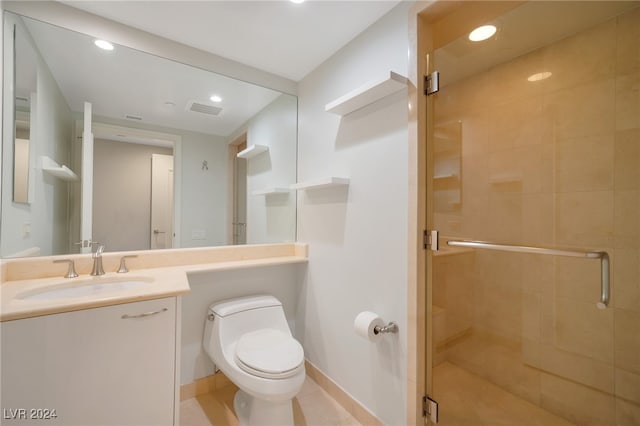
<point x="25" y="96"/>
<point x="135" y="151"/>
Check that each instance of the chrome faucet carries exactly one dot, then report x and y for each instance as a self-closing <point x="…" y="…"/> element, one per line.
<point x="97" y="261"/>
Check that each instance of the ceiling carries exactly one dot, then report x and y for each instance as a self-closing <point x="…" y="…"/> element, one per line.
<point x="128" y="84"/>
<point x="278" y="36"/>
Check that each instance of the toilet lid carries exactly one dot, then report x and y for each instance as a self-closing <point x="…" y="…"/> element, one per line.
<point x="269" y="353"/>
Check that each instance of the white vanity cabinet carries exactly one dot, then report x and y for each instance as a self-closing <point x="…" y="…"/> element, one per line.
<point x="113" y="365"/>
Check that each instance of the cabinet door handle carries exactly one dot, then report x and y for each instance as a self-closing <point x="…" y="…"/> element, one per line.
<point x="146" y="314"/>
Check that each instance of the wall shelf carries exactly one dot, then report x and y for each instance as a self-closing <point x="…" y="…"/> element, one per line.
<point x="326" y="182"/>
<point x="252" y="151"/>
<point x="270" y="191"/>
<point x="49" y="166"/>
<point x="367" y="94"/>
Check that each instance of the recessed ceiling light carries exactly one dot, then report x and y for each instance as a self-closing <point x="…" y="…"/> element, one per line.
<point x="103" y="44"/>
<point x="215" y="98"/>
<point x="539" y="76"/>
<point x="482" y="33"/>
<point x="297" y="1"/>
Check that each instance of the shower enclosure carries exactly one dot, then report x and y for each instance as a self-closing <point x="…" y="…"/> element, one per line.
<point x="534" y="149"/>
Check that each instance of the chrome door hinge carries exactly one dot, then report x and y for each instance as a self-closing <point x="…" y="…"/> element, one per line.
<point x="431" y="83"/>
<point x="430" y="409"/>
<point x="430" y="240"/>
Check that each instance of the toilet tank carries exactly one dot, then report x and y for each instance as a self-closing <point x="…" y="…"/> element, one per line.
<point x="234" y="317"/>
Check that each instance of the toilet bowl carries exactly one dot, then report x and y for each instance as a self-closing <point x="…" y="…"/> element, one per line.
<point x="249" y="339"/>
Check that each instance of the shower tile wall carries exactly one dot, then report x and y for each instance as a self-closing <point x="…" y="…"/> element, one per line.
<point x="553" y="162"/>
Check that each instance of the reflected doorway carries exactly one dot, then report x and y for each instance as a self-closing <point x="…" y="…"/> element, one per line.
<point x="238" y="174"/>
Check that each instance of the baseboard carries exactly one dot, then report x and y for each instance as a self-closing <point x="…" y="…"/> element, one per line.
<point x="357" y="410"/>
<point x="204" y="385"/>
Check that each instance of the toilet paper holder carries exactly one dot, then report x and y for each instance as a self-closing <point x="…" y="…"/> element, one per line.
<point x="392" y="327"/>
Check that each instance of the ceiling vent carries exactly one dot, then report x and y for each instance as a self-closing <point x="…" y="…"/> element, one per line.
<point x="203" y="108"/>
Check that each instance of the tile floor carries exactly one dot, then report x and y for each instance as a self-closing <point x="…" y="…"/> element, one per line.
<point x="466" y="399"/>
<point x="312" y="407"/>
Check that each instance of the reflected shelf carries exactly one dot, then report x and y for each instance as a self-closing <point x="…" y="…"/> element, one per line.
<point x="49" y="166"/>
<point x="326" y="182"/>
<point x="252" y="151"/>
<point x="271" y="191"/>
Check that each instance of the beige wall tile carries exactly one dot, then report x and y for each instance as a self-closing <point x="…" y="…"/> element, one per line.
<point x="475" y="215"/>
<point x="628" y="46"/>
<point x="498" y="310"/>
<point x="627" y="219"/>
<point x="584" y="219"/>
<point x="580" y="369"/>
<point x="585" y="164"/>
<point x="505" y="222"/>
<point x="531" y="316"/>
<point x="516" y="123"/>
<point x="584" y="110"/>
<point x="626" y="279"/>
<point x="627" y="160"/>
<point x="583" y="329"/>
<point x="538" y="272"/>
<point x="459" y="294"/>
<point x="578" y="279"/>
<point x="509" y="80"/>
<point x="628" y="385"/>
<point x="467" y="95"/>
<point x="584" y="57"/>
<point x="627" y="342"/>
<point x="537" y="217"/>
<point x="628" y="101"/>
<point x="576" y="402"/>
<point x="522" y="169"/>
<point x="627" y="413"/>
<point x="475" y="132"/>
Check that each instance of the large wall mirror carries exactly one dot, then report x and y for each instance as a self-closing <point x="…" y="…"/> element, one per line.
<point x="135" y="151"/>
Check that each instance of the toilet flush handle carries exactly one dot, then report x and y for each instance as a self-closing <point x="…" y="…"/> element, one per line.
<point x="210" y="317"/>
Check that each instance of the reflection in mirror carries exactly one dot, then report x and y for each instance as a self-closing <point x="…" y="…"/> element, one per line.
<point x="159" y="159"/>
<point x="25" y="88"/>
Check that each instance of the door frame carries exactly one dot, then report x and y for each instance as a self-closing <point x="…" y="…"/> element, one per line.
<point x="236" y="145"/>
<point x="102" y="130"/>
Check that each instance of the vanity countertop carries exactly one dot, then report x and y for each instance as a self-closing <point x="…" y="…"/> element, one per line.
<point x="160" y="282"/>
<point x="25" y="294"/>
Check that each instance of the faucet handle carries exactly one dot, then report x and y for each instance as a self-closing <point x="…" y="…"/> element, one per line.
<point x="123" y="266"/>
<point x="99" y="250"/>
<point x="71" y="272"/>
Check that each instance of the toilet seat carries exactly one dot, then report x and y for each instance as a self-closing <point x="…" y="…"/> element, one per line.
<point x="269" y="353"/>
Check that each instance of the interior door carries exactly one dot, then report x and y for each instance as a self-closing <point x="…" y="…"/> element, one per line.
<point x="161" y="201"/>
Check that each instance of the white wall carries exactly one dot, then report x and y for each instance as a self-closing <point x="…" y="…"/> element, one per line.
<point x="358" y="235"/>
<point x="46" y="215"/>
<point x="204" y="192"/>
<point x="272" y="218"/>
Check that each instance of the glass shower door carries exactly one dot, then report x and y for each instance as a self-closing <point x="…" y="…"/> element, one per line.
<point x="535" y="143"/>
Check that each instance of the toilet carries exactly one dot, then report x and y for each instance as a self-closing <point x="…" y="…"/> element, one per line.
<point x="249" y="339"/>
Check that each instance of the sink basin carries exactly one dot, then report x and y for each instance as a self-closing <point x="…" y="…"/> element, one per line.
<point x="86" y="288"/>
